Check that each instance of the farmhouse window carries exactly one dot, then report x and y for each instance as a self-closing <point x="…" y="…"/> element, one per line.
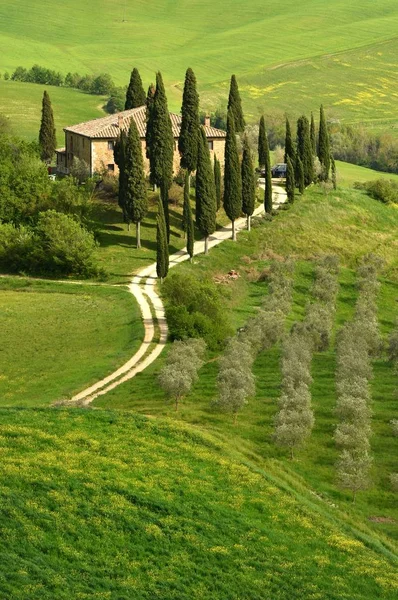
<point x="211" y="144"/>
<point x="111" y="145"/>
<point x="111" y="167"/>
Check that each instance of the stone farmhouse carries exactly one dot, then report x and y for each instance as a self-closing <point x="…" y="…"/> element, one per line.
<point x="93" y="141"/>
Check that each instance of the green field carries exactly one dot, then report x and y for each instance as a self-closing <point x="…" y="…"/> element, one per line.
<point x="21" y="102"/>
<point x="105" y="504"/>
<point x="348" y="174"/>
<point x="56" y="339"/>
<point x="287" y="57"/>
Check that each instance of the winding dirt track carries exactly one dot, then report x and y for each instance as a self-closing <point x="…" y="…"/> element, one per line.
<point x="143" y="287"/>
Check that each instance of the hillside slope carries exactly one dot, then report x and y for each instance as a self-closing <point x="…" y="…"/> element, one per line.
<point x="100" y="504"/>
<point x="344" y="54"/>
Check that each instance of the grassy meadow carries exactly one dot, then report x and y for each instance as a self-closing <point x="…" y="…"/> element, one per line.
<point x="344" y="56"/>
<point x="56" y="339"/>
<point x="106" y="504"/>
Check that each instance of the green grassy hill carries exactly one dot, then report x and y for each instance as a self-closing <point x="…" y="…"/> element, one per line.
<point x="344" y="55"/>
<point x="101" y="504"/>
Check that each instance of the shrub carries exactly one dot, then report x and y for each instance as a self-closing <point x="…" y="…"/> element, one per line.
<point x="194" y="309"/>
<point x="383" y="190"/>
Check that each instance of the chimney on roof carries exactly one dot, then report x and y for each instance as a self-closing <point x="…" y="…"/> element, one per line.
<point x="207" y="121"/>
<point x="120" y="121"/>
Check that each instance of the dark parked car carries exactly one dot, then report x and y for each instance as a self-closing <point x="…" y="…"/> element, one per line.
<point x="279" y="170"/>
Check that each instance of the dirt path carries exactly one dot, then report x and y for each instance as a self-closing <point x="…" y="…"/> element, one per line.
<point x="143" y="287"/>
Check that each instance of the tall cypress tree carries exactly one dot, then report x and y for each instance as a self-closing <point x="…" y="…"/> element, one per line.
<point x="135" y="95"/>
<point x="189" y="133"/>
<point x="190" y="229"/>
<point x="186" y="204"/>
<point x="262" y="143"/>
<point x="162" y="247"/>
<point x="205" y="190"/>
<point x="300" y="175"/>
<point x="268" y="180"/>
<point x="161" y="146"/>
<point x="323" y="146"/>
<point x="313" y="135"/>
<point x="290" y="182"/>
<point x="119" y="153"/>
<point x="334" y="174"/>
<point x="248" y="183"/>
<point x="232" y="175"/>
<point x="149" y="120"/>
<point x="136" y="201"/>
<point x="235" y="106"/>
<point x="289" y="146"/>
<point x="217" y="181"/>
<point x="47" y="137"/>
<point x="304" y="150"/>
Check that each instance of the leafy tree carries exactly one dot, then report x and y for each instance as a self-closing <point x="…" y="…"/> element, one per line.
<point x="235" y="106"/>
<point x="262" y="143"/>
<point x="149" y="119"/>
<point x="235" y="380"/>
<point x="189" y="133"/>
<point x="324" y="145"/>
<point x="136" y="201"/>
<point x="334" y="174"/>
<point x="47" y="137"/>
<point x="119" y="153"/>
<point x="304" y="150"/>
<point x="299" y="175"/>
<point x="232" y="176"/>
<point x="205" y="190"/>
<point x="102" y="85"/>
<point x="162" y="247"/>
<point x="184" y="220"/>
<point x="135" y="95"/>
<point x="289" y="147"/>
<point x="183" y="362"/>
<point x="290" y="181"/>
<point x="268" y="180"/>
<point x="190" y="232"/>
<point x="353" y="470"/>
<point x="313" y="135"/>
<point x="248" y="183"/>
<point x="217" y="181"/>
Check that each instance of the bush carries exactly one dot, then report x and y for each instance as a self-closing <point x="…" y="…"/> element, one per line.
<point x="383" y="190"/>
<point x="194" y="309"/>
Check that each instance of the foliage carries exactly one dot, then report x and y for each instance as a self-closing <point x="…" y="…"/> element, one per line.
<point x="235" y="106"/>
<point x="248" y="182"/>
<point x="162" y="246"/>
<point x="135" y="95"/>
<point x="290" y="181"/>
<point x="116" y="101"/>
<point x="194" y="309"/>
<point x="384" y="190"/>
<point x="313" y="135"/>
<point x="268" y="179"/>
<point x="232" y="175"/>
<point x="180" y="372"/>
<point x="304" y="151"/>
<point x="299" y="174"/>
<point x="135" y="193"/>
<point x="217" y="181"/>
<point x="235" y="380"/>
<point x="289" y="145"/>
<point x="161" y="139"/>
<point x="206" y="206"/>
<point x="47" y="137"/>
<point x="262" y="143"/>
<point x="323" y="146"/>
<point x="189" y="133"/>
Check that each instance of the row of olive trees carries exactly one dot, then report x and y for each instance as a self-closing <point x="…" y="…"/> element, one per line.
<point x="295" y="419"/>
<point x="358" y="341"/>
<point x="235" y="379"/>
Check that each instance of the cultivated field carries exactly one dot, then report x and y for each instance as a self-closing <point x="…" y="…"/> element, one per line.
<point x="105" y="504"/>
<point x="344" y="56"/>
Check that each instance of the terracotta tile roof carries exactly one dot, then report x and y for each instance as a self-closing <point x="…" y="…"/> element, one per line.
<point x="108" y="127"/>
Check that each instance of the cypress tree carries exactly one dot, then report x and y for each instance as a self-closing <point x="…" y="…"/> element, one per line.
<point x="136" y="201"/>
<point x="205" y="190"/>
<point x="290" y="183"/>
<point x="47" y="137"/>
<point x="262" y="144"/>
<point x="184" y="220"/>
<point x="162" y="248"/>
<point x="268" y="180"/>
<point x="323" y="146"/>
<point x="189" y="133"/>
<point x="149" y="119"/>
<point x="289" y="146"/>
<point x="304" y="149"/>
<point x="235" y="106"/>
<point x="161" y="152"/>
<point x="313" y="135"/>
<point x="190" y="226"/>
<point x="135" y="95"/>
<point x="232" y="175"/>
<point x="248" y="183"/>
<point x="119" y="153"/>
<point x="334" y="174"/>
<point x="217" y="181"/>
<point x="300" y="175"/>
